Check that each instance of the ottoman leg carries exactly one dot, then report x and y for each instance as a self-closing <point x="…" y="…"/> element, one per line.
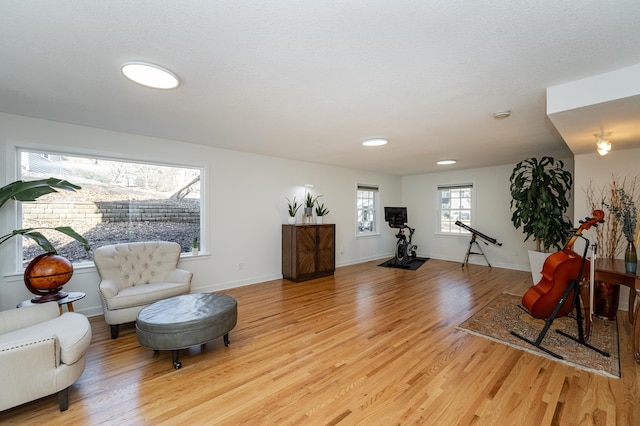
<point x="176" y="364"/>
<point x="226" y="339"/>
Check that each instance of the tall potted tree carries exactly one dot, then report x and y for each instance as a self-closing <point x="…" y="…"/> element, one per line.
<point x="540" y="191"/>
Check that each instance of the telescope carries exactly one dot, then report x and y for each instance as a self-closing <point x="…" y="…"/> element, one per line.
<point x="478" y="233"/>
<point x="473" y="241"/>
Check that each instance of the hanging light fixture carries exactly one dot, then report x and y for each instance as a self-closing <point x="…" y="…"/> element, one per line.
<point x="603" y="146"/>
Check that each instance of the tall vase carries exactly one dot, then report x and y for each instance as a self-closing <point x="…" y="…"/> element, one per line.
<point x="630" y="258"/>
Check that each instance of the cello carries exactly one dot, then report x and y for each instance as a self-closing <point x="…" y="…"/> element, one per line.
<point x="558" y="271"/>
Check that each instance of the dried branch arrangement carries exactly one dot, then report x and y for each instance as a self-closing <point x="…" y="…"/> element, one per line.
<point x="611" y="197"/>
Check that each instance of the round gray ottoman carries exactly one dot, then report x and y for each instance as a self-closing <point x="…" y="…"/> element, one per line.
<point x="187" y="320"/>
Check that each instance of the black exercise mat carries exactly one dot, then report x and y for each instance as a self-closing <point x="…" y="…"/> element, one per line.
<point x="410" y="266"/>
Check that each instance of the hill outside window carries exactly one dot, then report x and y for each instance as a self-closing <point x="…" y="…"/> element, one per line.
<point x="119" y="201"/>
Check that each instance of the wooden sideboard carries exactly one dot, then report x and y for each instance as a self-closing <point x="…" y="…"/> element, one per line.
<point x="308" y="251"/>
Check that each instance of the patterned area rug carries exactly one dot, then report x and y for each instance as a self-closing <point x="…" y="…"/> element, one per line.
<point x="502" y="315"/>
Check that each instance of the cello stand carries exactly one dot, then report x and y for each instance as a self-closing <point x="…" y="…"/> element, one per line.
<point x="574" y="286"/>
<point x="469" y="251"/>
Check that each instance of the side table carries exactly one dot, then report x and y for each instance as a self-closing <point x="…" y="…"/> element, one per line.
<point x="613" y="271"/>
<point x="72" y="296"/>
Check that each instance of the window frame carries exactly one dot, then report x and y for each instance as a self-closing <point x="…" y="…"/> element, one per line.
<point x="454" y="229"/>
<point x="375" y="189"/>
<point x="48" y="152"/>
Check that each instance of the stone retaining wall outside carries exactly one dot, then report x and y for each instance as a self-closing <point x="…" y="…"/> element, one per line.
<point x="112" y="211"/>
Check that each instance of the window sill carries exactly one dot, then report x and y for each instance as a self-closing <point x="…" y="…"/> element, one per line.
<point x="365" y="236"/>
<point x="445" y="235"/>
<point x="200" y="255"/>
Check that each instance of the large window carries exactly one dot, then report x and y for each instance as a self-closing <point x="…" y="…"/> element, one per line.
<point x="367" y="209"/>
<point x="455" y="205"/>
<point x="119" y="201"/>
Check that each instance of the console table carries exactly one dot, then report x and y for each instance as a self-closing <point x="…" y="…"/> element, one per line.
<point x="613" y="272"/>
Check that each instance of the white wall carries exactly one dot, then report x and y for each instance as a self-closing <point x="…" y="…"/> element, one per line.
<point x="598" y="171"/>
<point x="246" y="195"/>
<point x="492" y="218"/>
<point x="247" y="206"/>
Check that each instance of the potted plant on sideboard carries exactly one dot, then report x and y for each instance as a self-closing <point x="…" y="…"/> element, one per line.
<point x="540" y="191"/>
<point x="309" y="202"/>
<point x="293" y="208"/>
<point x="321" y="212"/>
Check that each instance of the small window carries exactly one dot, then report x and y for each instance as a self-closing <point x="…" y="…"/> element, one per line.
<point x="455" y="205"/>
<point x="367" y="209"/>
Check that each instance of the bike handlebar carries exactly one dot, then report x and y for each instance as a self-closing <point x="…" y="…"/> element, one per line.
<point x="411" y="230"/>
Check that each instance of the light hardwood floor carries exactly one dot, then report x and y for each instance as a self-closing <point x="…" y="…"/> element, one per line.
<point x="370" y="346"/>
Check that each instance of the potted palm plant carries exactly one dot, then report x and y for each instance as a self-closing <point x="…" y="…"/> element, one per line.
<point x="47" y="273"/>
<point x="30" y="191"/>
<point x="540" y="191"/>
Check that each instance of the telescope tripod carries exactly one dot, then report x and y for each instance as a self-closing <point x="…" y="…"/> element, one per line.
<point x="470" y="252"/>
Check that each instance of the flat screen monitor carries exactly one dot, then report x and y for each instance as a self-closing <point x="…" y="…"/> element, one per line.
<point x="396" y="216"/>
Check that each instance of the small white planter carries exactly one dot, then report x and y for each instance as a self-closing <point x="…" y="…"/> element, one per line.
<point x="194" y="251"/>
<point x="291" y="220"/>
<point x="319" y="220"/>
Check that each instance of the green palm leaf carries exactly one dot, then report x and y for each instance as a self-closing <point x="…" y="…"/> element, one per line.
<point x="30" y="191"/>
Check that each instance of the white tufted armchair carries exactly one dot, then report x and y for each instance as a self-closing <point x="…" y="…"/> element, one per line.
<point x="134" y="275"/>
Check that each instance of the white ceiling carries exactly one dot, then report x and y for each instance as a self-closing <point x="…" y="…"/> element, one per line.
<point x="309" y="80"/>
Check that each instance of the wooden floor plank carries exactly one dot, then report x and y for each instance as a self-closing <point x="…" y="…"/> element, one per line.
<point x="369" y="345"/>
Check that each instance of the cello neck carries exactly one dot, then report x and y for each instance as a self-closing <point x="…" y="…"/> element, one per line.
<point x="598" y="217"/>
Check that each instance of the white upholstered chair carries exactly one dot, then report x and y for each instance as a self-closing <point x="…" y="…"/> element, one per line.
<point x="41" y="353"/>
<point x="134" y="275"/>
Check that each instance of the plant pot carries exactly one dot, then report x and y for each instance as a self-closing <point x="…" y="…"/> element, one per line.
<point x="606" y="298"/>
<point x="194" y="251"/>
<point x="291" y="220"/>
<point x="307" y="217"/>
<point x="536" y="261"/>
<point x="319" y="220"/>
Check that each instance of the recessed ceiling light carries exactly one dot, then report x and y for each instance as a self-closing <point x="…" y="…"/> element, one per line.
<point x="445" y="162"/>
<point x="375" y="142"/>
<point x="150" y="75"/>
<point x="502" y="114"/>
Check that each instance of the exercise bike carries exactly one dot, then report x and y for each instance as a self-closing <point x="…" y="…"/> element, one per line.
<point x="405" y="249"/>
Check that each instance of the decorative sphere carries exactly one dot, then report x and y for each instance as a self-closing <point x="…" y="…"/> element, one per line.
<point x="48" y="272"/>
